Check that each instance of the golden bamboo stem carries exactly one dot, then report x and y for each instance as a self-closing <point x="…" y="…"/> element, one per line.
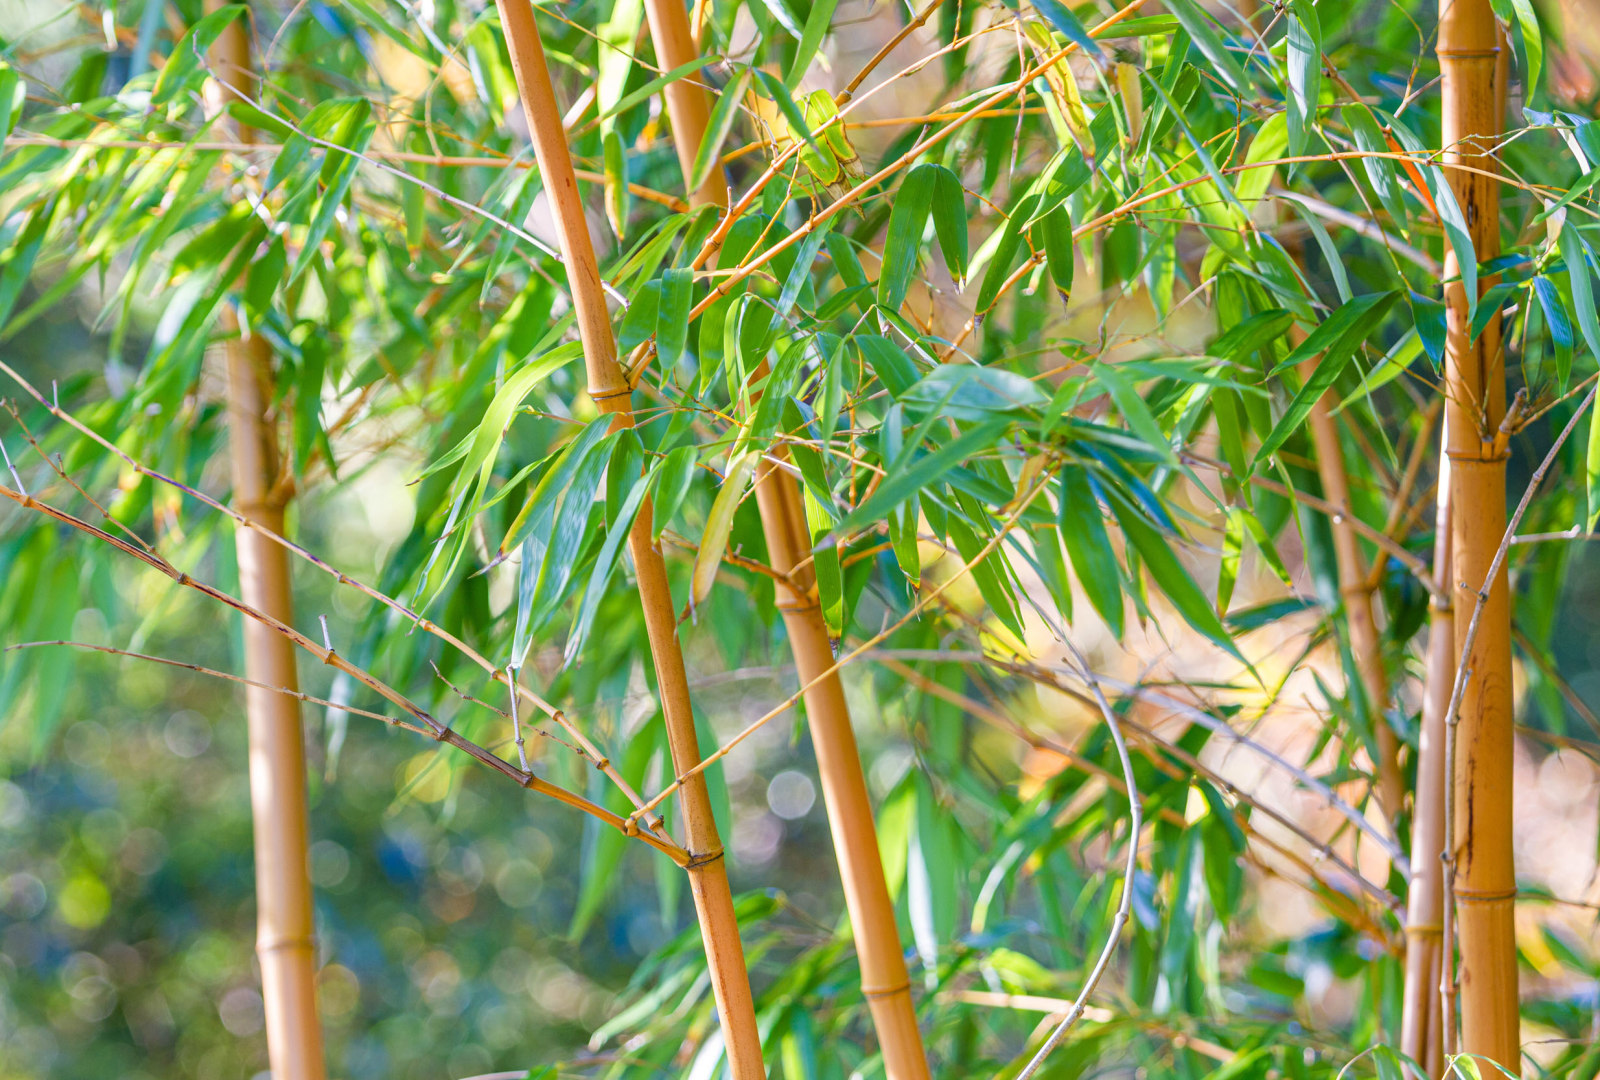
<point x="1481" y="870"/>
<point x="688" y="108"/>
<point x="285" y="925"/>
<point x="708" y="875"/>
<point x="1360" y="624"/>
<point x="885" y="981"/>
<point x="1421" y="1026"/>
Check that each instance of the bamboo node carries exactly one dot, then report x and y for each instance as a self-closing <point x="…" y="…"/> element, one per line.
<point x="1485" y="896"/>
<point x="1425" y="930"/>
<point x="875" y="993"/>
<point x="1465" y="458"/>
<point x="283" y="943"/>
<point x="602" y="763"/>
<point x="606" y="395"/>
<point x="703" y="859"/>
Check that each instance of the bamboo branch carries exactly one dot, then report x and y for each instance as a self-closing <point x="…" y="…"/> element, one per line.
<point x="1125" y="905"/>
<point x="587" y="747"/>
<point x="431" y="727"/>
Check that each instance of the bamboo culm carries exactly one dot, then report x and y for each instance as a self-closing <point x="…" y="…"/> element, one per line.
<point x="285" y="927"/>
<point x="1480" y="868"/>
<point x="708" y="876"/>
<point x="1421" y="1029"/>
<point x="885" y="981"/>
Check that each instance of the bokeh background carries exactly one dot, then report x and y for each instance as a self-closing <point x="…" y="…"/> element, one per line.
<point x="454" y="937"/>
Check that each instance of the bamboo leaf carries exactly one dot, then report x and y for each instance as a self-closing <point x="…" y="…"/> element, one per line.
<point x="950" y="222"/>
<point x="717" y="128"/>
<point x="901" y="483"/>
<point x="719" y="526"/>
<point x="672" y="316"/>
<point x="1197" y="24"/>
<point x="186" y="66"/>
<point x="907" y="221"/>
<point x="1170" y="575"/>
<point x="1305" y="73"/>
<point x="605" y="565"/>
<point x="1337" y="340"/>
<point x="1060" y="17"/>
<point x="1083" y="534"/>
<point x="1572" y="253"/>
<point x="818" y="21"/>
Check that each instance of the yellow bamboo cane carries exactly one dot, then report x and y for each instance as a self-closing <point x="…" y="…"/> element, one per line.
<point x="284" y="922"/>
<point x="1421" y="1030"/>
<point x="884" y="979"/>
<point x="1484" y="881"/>
<point x="708" y="875"/>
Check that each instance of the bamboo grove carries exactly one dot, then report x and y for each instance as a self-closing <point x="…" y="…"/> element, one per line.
<point x="1136" y="458"/>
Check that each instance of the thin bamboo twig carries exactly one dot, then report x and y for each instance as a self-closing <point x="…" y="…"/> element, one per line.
<point x="1392" y="547"/>
<point x="167" y="661"/>
<point x="285" y="920"/>
<point x="708" y="872"/>
<point x="1125" y="905"/>
<point x="433" y="728"/>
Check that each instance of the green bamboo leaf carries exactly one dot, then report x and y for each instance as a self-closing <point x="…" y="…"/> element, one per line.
<point x="818" y="22"/>
<point x="905" y="480"/>
<point x="1529" y="39"/>
<point x="186" y="66"/>
<point x="950" y="222"/>
<point x="1337" y="340"/>
<point x="655" y="86"/>
<point x="1134" y="409"/>
<point x="672" y="484"/>
<point x="1082" y="529"/>
<point x="1381" y="171"/>
<point x="717" y="128"/>
<point x="1305" y="72"/>
<point x="719" y="526"/>
<point x="618" y="199"/>
<point x="1059" y="254"/>
<point x="907" y="221"/>
<point x="605" y="564"/>
<point x="1197" y="24"/>
<point x="672" y="316"/>
<point x="987" y="572"/>
<point x="1592" y="470"/>
<point x="1004" y="258"/>
<point x="1058" y="16"/>
<point x="1170" y="575"/>
<point x="778" y="93"/>
<point x="1572" y="253"/>
<point x="1456" y="229"/>
<point x="897" y="371"/>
